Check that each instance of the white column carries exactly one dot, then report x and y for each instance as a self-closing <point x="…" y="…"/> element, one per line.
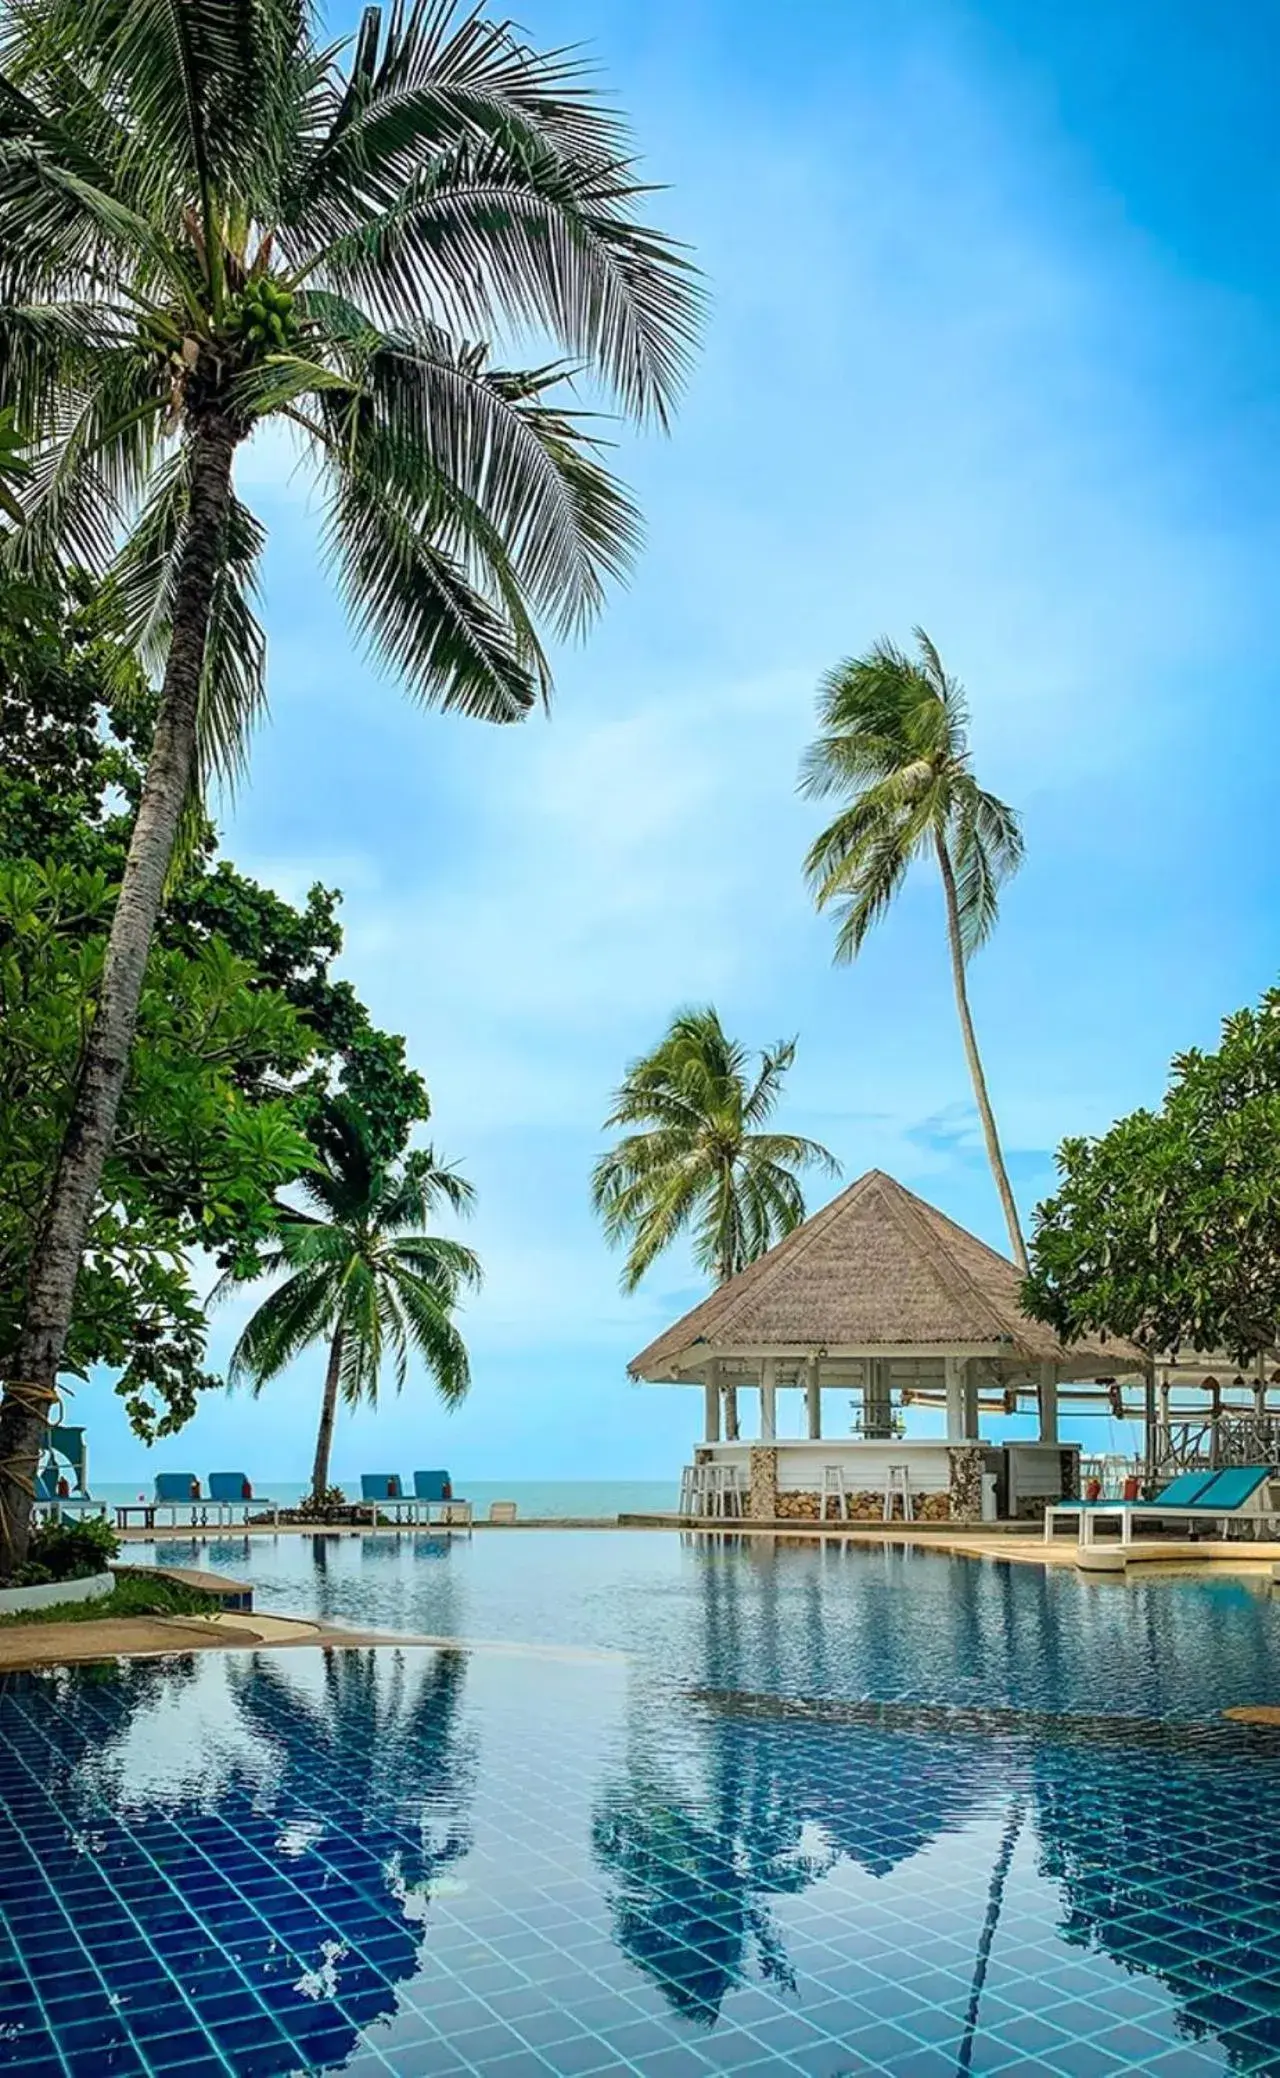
<point x="711" y="1391"/>
<point x="769" y="1400"/>
<point x="877" y="1410"/>
<point x="1048" y="1403"/>
<point x="813" y="1398"/>
<point x="953" y="1371"/>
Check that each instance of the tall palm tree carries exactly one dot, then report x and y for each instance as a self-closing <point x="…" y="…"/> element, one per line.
<point x="894" y="743"/>
<point x="359" y="1273"/>
<point x="702" y="1158"/>
<point x="209" y="220"/>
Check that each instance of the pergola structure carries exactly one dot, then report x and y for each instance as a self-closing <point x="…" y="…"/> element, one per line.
<point x="881" y="1296"/>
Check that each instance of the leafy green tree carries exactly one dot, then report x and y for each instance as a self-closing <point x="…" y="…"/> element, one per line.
<point x="702" y="1158"/>
<point x="207" y="1132"/>
<point x="358" y="1272"/>
<point x="894" y="745"/>
<point x="74" y="716"/>
<point x="1166" y="1229"/>
<point x="209" y="220"/>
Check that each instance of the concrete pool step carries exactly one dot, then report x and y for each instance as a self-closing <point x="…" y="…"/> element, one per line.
<point x="232" y="1594"/>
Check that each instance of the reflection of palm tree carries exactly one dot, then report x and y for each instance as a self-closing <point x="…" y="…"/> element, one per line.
<point x="690" y="1881"/>
<point x="995" y="1900"/>
<point x="340" y="1816"/>
<point x="391" y="1743"/>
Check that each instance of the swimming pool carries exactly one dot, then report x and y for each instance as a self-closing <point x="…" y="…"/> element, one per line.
<point x="704" y="1806"/>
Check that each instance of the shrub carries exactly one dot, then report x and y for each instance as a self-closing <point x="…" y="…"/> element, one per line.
<point x="319" y="1504"/>
<point x="61" y="1549"/>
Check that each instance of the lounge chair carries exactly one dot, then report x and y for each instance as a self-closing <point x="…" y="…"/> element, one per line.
<point x="502" y="1511"/>
<point x="387" y="1495"/>
<point x="1179" y="1493"/>
<point x="434" y="1490"/>
<point x="232" y="1491"/>
<point x="49" y="1504"/>
<point x="173" y="1490"/>
<point x="1239" y="1493"/>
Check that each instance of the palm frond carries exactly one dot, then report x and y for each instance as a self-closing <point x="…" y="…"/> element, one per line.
<point x="288" y="1320"/>
<point x="421" y="616"/>
<point x="429" y="1329"/>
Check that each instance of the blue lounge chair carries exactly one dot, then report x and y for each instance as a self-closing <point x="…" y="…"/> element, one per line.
<point x="50" y="1504"/>
<point x="232" y="1491"/>
<point x="435" y="1490"/>
<point x="1239" y="1493"/>
<point x="384" y="1490"/>
<point x="1179" y="1493"/>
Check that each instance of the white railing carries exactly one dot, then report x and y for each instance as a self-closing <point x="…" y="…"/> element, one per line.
<point x="1235" y="1438"/>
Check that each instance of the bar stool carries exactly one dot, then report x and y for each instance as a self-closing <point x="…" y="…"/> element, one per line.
<point x="897" y="1486"/>
<point x="689" y="1489"/>
<point x="833" y="1489"/>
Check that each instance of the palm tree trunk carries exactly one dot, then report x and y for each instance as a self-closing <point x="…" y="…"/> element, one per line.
<point x="1017" y="1245"/>
<point x="328" y="1409"/>
<point x="31" y="1387"/>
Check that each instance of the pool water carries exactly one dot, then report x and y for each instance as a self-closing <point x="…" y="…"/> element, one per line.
<point x="698" y="1805"/>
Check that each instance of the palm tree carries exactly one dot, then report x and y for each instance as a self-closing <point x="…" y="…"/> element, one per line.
<point x="358" y="1273"/>
<point x="702" y="1158"/>
<point x="209" y="220"/>
<point x="894" y="742"/>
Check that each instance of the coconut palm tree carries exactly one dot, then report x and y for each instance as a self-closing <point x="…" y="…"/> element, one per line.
<point x="358" y="1273"/>
<point x="894" y="743"/>
<point x="210" y="220"/>
<point x="702" y="1158"/>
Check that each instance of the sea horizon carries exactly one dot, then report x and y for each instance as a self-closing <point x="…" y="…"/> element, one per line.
<point x="554" y="1498"/>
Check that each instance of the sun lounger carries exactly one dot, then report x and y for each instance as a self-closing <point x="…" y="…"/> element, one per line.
<point x="502" y="1511"/>
<point x="436" y="1501"/>
<point x="173" y="1490"/>
<point x="388" y="1497"/>
<point x="49" y="1504"/>
<point x="1179" y="1493"/>
<point x="231" y="1491"/>
<point x="1239" y="1493"/>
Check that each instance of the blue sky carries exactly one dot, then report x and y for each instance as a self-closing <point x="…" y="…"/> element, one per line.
<point x="992" y="348"/>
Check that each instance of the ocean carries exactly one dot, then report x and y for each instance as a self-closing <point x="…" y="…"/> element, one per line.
<point x="555" y="1498"/>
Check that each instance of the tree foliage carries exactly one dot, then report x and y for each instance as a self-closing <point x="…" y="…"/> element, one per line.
<point x="201" y="1148"/>
<point x="702" y="1159"/>
<point x="894" y="747"/>
<point x="894" y="740"/>
<point x="209" y="219"/>
<point x="244" y="1038"/>
<point x="1166" y="1229"/>
<point x="357" y="1269"/>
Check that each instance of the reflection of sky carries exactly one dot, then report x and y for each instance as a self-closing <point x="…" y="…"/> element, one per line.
<point x="804" y="1620"/>
<point x="449" y="1858"/>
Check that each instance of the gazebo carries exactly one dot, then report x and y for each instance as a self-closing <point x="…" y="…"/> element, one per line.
<point x="881" y="1297"/>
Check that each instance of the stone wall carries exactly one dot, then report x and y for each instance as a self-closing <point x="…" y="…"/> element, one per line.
<point x="763" y="1504"/>
<point x="866" y="1506"/>
<point x="968" y="1463"/>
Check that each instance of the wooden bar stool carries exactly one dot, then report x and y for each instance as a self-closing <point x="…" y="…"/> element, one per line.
<point x="897" y="1486"/>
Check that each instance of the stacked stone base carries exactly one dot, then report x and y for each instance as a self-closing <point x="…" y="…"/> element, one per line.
<point x="863" y="1507"/>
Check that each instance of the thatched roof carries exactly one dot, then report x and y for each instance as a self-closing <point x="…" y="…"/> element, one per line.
<point x="877" y="1268"/>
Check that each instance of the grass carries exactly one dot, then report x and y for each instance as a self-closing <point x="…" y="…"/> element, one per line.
<point x="132" y="1595"/>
